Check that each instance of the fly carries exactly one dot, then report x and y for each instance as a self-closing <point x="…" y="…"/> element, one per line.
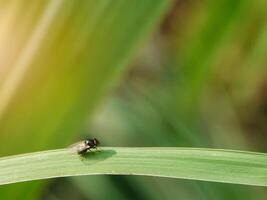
<point x="85" y="145"/>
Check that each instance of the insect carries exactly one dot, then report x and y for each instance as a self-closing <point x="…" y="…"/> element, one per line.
<point x="85" y="145"/>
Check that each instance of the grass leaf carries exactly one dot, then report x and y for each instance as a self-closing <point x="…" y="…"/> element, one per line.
<point x="188" y="163"/>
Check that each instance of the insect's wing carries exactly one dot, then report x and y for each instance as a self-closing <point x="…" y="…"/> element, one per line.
<point x="77" y="147"/>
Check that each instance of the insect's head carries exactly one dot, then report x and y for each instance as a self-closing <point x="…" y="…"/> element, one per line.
<point x="91" y="142"/>
<point x="96" y="142"/>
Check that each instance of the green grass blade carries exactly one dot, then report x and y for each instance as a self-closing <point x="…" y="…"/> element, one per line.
<point x="188" y="163"/>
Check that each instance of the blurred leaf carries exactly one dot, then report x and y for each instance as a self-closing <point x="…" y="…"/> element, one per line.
<point x="61" y="58"/>
<point x="253" y="72"/>
<point x="200" y="164"/>
<point x="200" y="51"/>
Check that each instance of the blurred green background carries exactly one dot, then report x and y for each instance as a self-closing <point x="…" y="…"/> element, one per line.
<point x="132" y="73"/>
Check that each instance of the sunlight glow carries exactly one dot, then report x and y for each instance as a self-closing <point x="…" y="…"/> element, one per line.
<point x="24" y="60"/>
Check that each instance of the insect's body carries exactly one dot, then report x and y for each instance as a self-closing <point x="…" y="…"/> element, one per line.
<point x="84" y="146"/>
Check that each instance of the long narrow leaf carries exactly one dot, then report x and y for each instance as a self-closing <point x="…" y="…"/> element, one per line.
<point x="201" y="164"/>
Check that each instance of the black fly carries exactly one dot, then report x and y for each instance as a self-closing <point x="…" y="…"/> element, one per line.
<point x="85" y="145"/>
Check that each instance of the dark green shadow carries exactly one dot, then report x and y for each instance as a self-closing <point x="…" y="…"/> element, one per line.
<point x="95" y="156"/>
